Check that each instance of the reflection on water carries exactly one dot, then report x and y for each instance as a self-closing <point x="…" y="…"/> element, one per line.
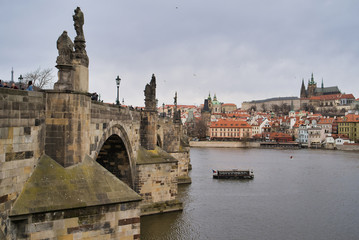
<point x="313" y="195"/>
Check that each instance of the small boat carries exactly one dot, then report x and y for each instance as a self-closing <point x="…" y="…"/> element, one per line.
<point x="233" y="174"/>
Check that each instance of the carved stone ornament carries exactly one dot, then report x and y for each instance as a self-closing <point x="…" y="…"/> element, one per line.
<point x="65" y="48"/>
<point x="79" y="21"/>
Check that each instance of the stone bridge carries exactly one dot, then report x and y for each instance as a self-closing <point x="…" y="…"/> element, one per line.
<point x="73" y="168"/>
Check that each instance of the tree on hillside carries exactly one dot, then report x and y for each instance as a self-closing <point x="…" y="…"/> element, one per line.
<point x="40" y="78"/>
<point x="264" y="108"/>
<point x="275" y="108"/>
<point x="285" y="108"/>
<point x="200" y="129"/>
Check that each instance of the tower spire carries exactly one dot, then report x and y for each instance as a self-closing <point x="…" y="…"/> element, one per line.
<point x="303" y="91"/>
<point x="322" y="83"/>
<point x="312" y="79"/>
<point x="12" y="74"/>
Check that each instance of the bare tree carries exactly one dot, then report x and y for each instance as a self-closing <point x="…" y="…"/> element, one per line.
<point x="200" y="129"/>
<point x="40" y="78"/>
<point x="264" y="109"/>
<point x="275" y="108"/>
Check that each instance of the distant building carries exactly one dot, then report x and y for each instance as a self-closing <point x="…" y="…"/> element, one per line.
<point x="349" y="125"/>
<point x="230" y="129"/>
<point x="214" y="106"/>
<point x="313" y="90"/>
<point x="228" y="107"/>
<point x="316" y="136"/>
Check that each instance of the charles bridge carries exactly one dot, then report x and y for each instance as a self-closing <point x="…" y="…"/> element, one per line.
<point x="74" y="168"/>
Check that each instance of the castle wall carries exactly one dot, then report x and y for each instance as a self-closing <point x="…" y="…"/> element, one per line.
<point x="269" y="104"/>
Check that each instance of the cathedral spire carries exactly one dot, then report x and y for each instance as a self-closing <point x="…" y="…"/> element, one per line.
<point x="322" y="83"/>
<point x="312" y="79"/>
<point x="303" y="92"/>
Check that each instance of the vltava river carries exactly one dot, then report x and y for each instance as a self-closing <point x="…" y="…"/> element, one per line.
<point x="313" y="195"/>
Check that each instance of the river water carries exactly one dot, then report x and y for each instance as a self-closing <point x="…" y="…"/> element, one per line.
<point x="313" y="195"/>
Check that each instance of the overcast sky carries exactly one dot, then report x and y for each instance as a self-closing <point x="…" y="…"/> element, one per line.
<point x="239" y="49"/>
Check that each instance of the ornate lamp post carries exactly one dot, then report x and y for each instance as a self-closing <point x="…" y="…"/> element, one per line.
<point x="118" y="80"/>
<point x="20" y="80"/>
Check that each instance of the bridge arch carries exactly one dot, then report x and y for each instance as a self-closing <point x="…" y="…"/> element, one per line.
<point x="114" y="152"/>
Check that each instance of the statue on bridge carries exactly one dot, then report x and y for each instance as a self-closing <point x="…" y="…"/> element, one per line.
<point x="73" y="61"/>
<point x="79" y="21"/>
<point x="80" y="43"/>
<point x="66" y="48"/>
<point x="150" y="95"/>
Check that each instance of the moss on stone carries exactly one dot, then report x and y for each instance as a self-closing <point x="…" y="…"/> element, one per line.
<point x="157" y="155"/>
<point x="53" y="187"/>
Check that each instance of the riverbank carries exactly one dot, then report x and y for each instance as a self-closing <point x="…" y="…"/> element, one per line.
<point x="224" y="144"/>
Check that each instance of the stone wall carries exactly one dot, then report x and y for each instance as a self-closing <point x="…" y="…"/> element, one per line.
<point x="116" y="221"/>
<point x="348" y="147"/>
<point x="157" y="185"/>
<point x="171" y="134"/>
<point x="67" y="126"/>
<point x="22" y="133"/>
<point x="108" y="120"/>
<point x="105" y="117"/>
<point x="183" y="166"/>
<point x="148" y="129"/>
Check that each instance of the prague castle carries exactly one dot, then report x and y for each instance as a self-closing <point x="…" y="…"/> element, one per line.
<point x="313" y="90"/>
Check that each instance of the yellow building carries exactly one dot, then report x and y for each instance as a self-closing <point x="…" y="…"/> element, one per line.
<point x="349" y="125"/>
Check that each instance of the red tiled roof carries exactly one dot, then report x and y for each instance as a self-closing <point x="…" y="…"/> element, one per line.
<point x="349" y="118"/>
<point x="326" y="121"/>
<point x="332" y="97"/>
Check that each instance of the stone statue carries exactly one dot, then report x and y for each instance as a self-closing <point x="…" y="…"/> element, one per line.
<point x="65" y="47"/>
<point x="175" y="99"/>
<point x="78" y="18"/>
<point x="150" y="94"/>
<point x="80" y="54"/>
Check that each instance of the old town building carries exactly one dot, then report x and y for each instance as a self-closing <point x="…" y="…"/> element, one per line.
<point x="349" y="125"/>
<point x="230" y="129"/>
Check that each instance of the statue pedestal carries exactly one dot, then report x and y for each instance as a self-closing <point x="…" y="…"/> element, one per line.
<point x="65" y="76"/>
<point x="80" y="77"/>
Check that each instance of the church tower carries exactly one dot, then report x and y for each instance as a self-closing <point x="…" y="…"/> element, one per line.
<point x="209" y="102"/>
<point x="303" y="92"/>
<point x="312" y="86"/>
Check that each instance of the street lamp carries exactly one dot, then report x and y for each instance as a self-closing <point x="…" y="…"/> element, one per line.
<point x="20" y="80"/>
<point x="118" y="80"/>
